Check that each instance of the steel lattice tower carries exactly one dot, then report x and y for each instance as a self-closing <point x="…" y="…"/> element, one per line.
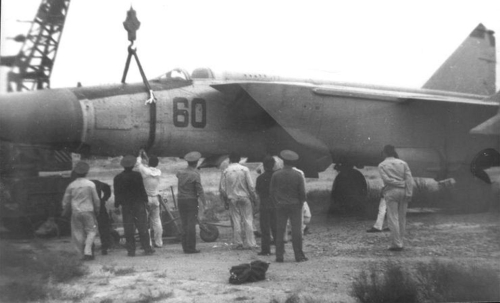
<point x="33" y="65"/>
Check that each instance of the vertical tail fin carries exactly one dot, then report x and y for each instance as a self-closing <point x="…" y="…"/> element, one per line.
<point x="471" y="68"/>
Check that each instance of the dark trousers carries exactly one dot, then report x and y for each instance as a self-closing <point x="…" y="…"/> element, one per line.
<point x="136" y="216"/>
<point x="188" y="211"/>
<point x="104" y="226"/>
<point x="267" y="228"/>
<point x="294" y="213"/>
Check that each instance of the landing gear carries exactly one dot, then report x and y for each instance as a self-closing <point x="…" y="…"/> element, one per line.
<point x="474" y="191"/>
<point x="483" y="160"/>
<point x="208" y="233"/>
<point x="349" y="192"/>
<point x="471" y="194"/>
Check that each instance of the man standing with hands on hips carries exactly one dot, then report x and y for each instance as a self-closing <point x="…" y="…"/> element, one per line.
<point x="397" y="192"/>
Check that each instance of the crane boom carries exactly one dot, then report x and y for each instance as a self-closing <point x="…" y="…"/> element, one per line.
<point x="34" y="198"/>
<point x="33" y="65"/>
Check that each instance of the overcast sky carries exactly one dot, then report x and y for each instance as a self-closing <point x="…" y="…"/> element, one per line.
<point x="396" y="43"/>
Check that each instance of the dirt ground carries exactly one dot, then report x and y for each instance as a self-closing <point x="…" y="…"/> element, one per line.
<point x="338" y="248"/>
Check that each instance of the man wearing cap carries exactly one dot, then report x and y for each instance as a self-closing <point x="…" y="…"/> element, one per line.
<point x="278" y="164"/>
<point x="103" y="221"/>
<point x="237" y="191"/>
<point x="288" y="191"/>
<point x="189" y="190"/>
<point x="397" y="192"/>
<point x="306" y="213"/>
<point x="151" y="178"/>
<point x="131" y="195"/>
<point x="266" y="207"/>
<point x="80" y="198"/>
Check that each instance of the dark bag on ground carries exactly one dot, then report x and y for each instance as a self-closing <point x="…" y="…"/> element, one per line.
<point x="248" y="272"/>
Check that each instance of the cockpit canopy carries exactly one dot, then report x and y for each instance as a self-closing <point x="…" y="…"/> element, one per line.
<point x="178" y="74"/>
<point x="181" y="74"/>
<point x="202" y="73"/>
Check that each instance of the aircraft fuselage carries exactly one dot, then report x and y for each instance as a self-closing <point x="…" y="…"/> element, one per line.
<point x="193" y="115"/>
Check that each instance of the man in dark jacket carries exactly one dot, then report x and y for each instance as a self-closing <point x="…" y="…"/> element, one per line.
<point x="267" y="209"/>
<point x="131" y="195"/>
<point x="190" y="191"/>
<point x="288" y="192"/>
<point x="103" y="221"/>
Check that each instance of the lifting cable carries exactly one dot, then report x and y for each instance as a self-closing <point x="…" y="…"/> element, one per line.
<point x="131" y="25"/>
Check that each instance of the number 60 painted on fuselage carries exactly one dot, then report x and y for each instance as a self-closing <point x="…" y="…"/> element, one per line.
<point x="198" y="112"/>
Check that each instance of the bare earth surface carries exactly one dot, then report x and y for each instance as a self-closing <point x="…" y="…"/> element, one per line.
<point x="338" y="248"/>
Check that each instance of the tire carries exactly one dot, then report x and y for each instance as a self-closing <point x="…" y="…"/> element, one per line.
<point x="349" y="193"/>
<point x="209" y="233"/>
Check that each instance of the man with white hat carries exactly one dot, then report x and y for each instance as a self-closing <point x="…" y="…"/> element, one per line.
<point x="237" y="191"/>
<point x="81" y="199"/>
<point x="189" y="190"/>
<point x="288" y="191"/>
<point x="131" y="195"/>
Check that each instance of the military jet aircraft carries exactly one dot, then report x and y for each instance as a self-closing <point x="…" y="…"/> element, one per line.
<point x="450" y="126"/>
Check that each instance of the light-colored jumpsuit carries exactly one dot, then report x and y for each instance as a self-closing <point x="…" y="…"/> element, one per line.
<point x="236" y="187"/>
<point x="397" y="192"/>
<point x="151" y="179"/>
<point x="382" y="209"/>
<point x="82" y="200"/>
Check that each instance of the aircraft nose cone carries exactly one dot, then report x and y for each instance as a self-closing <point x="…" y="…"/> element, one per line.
<point x="41" y="117"/>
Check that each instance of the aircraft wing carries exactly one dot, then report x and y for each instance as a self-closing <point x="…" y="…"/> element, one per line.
<point x="265" y="95"/>
<point x="365" y="93"/>
<point x="489" y="127"/>
<point x="396" y="96"/>
<point x="314" y="153"/>
<point x="255" y="90"/>
<point x="492" y="125"/>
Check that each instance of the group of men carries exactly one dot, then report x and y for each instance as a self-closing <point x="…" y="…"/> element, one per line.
<point x="135" y="191"/>
<point x="279" y="193"/>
